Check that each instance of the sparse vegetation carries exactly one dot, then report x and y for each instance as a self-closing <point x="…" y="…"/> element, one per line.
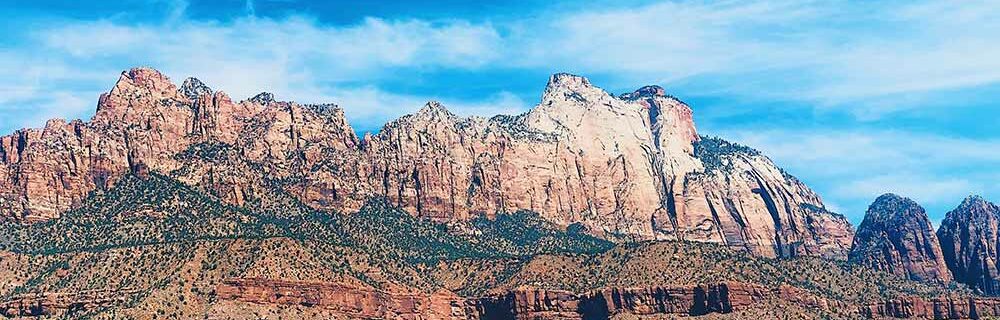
<point x="716" y="154"/>
<point x="168" y="246"/>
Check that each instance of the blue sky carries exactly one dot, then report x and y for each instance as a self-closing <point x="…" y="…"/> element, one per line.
<point x="855" y="98"/>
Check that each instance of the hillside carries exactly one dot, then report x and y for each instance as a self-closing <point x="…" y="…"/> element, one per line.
<point x="122" y="255"/>
<point x="627" y="167"/>
<point x="179" y="203"/>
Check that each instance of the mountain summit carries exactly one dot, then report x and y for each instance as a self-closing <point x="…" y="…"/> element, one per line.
<point x="896" y="236"/>
<point x="624" y="167"/>
<point x="969" y="236"/>
<point x="177" y="202"/>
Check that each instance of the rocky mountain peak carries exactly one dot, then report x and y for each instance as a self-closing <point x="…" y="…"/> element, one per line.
<point x="192" y="88"/>
<point x="145" y="78"/>
<point x="625" y="170"/>
<point x="896" y="236"/>
<point x="650" y="91"/>
<point x="434" y="110"/>
<point x="567" y="80"/>
<point x="969" y="234"/>
<point x="328" y="110"/>
<point x="890" y="205"/>
<point x="263" y="98"/>
<point x="565" y="86"/>
<point x="974" y="201"/>
<point x="137" y="92"/>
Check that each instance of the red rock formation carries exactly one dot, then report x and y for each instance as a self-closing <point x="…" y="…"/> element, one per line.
<point x="623" y="166"/>
<point x="897" y="237"/>
<point x="350" y="301"/>
<point x="531" y="304"/>
<point x="39" y="304"/>
<point x="143" y="120"/>
<point x="717" y="298"/>
<point x="936" y="308"/>
<point x="969" y="238"/>
<point x="357" y="302"/>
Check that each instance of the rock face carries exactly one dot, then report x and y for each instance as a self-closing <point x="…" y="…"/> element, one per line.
<point x="40" y="304"/>
<point x="365" y="303"/>
<point x="896" y="236"/>
<point x="352" y="302"/>
<point x="718" y="298"/>
<point x="969" y="238"/>
<point x="631" y="166"/>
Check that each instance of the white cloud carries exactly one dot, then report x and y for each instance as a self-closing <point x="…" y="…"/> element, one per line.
<point x="870" y="59"/>
<point x="831" y="54"/>
<point x="502" y="102"/>
<point x="296" y="58"/>
<point x="671" y="40"/>
<point x="873" y="150"/>
<point x="297" y="43"/>
<point x="853" y="166"/>
<point x="920" y="187"/>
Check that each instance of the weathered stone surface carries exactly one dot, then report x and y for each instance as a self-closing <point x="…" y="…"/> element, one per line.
<point x="935" y="308"/>
<point x="531" y="304"/>
<point x="349" y="301"/>
<point x="144" y="119"/>
<point x="896" y="236"/>
<point x="631" y="166"/>
<point x="40" y="304"/>
<point x="719" y="298"/>
<point x="969" y="239"/>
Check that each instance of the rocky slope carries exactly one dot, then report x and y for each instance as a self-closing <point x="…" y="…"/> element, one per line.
<point x="969" y="238"/>
<point x="896" y="236"/>
<point x="720" y="299"/>
<point x="631" y="166"/>
<point x="153" y="246"/>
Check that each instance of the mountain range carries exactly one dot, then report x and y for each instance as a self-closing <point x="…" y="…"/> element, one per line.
<point x="178" y="202"/>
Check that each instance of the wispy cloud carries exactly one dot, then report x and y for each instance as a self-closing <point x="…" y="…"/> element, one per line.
<point x="853" y="167"/>
<point x="829" y="54"/>
<point x="297" y="58"/>
<point x="869" y="59"/>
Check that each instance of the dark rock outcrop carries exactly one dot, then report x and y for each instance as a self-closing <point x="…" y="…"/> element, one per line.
<point x="970" y="241"/>
<point x="897" y="237"/>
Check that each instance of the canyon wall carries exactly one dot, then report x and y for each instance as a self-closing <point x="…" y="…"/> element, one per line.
<point x="626" y="167"/>
<point x="528" y="303"/>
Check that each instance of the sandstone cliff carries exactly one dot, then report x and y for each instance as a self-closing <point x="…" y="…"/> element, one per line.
<point x="345" y="300"/>
<point x="529" y="303"/>
<point x="897" y="237"/>
<point x="631" y="166"/>
<point x="719" y="298"/>
<point x="969" y="237"/>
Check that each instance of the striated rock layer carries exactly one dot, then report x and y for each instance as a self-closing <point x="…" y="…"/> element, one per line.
<point x="39" y="304"/>
<point x="627" y="167"/>
<point x="353" y="302"/>
<point x="896" y="236"/>
<point x="528" y="303"/>
<point x="969" y="238"/>
<point x="720" y="298"/>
